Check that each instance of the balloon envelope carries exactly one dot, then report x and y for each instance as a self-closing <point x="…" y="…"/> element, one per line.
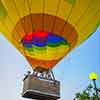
<point x="44" y="31"/>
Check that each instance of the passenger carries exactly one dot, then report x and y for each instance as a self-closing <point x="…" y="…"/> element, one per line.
<point x="35" y="73"/>
<point x="49" y="76"/>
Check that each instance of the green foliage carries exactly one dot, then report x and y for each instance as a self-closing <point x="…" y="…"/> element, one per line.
<point x="87" y="94"/>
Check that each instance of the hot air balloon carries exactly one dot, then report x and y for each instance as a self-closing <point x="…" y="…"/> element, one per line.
<point x="44" y="31"/>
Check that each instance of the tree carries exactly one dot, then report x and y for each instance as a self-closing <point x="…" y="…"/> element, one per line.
<point x="87" y="94"/>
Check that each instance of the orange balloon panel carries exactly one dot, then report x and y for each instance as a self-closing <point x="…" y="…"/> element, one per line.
<point x="44" y="64"/>
<point x="43" y="44"/>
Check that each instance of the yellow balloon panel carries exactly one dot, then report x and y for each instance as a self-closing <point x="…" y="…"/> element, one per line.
<point x="21" y="7"/>
<point x="5" y="32"/>
<point x="37" y="6"/>
<point x="12" y="16"/>
<point x="85" y="18"/>
<point x="11" y="38"/>
<point x="90" y="29"/>
<point x="78" y="10"/>
<point x="64" y="9"/>
<point x="51" y="7"/>
<point x="92" y="11"/>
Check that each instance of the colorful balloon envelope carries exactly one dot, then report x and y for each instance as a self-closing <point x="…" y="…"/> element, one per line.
<point x="44" y="31"/>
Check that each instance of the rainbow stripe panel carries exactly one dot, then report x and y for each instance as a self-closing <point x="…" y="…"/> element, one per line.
<point x="44" y="45"/>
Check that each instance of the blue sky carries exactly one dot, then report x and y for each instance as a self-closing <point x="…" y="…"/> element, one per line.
<point x="72" y="71"/>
